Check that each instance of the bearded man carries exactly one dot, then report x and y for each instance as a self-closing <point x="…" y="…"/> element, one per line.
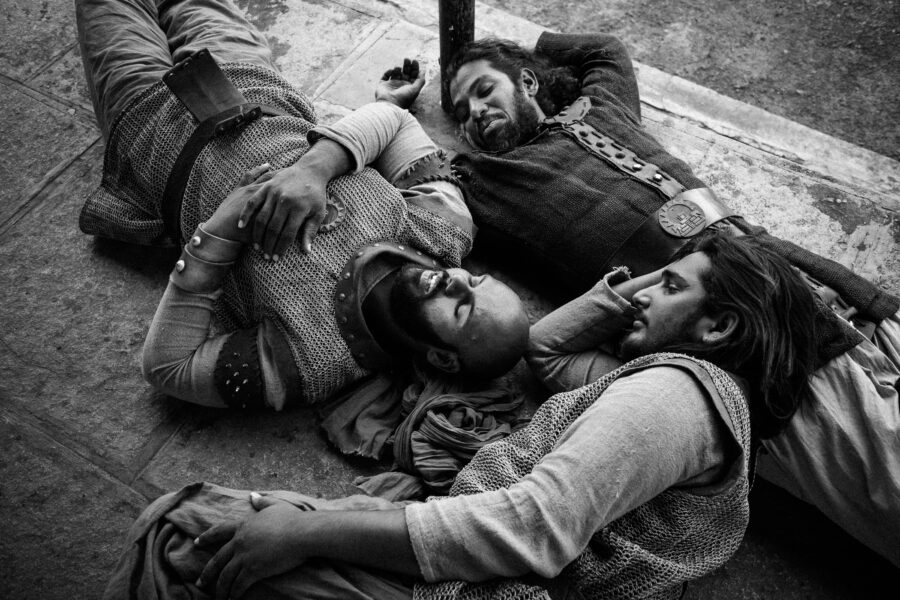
<point x="564" y="176"/>
<point x="317" y="280"/>
<point x="625" y="488"/>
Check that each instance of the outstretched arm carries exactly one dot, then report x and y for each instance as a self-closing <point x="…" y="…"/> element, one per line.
<point x="595" y="474"/>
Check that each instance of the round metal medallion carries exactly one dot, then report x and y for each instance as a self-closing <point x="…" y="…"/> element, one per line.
<point x="335" y="212"/>
<point x="682" y="218"/>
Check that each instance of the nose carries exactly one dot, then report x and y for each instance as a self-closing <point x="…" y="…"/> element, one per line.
<point x="641" y="298"/>
<point x="458" y="285"/>
<point x="477" y="108"/>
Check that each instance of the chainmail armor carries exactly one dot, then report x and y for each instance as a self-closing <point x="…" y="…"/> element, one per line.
<point x="295" y="292"/>
<point x="647" y="553"/>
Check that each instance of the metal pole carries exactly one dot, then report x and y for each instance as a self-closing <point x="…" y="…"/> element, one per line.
<point x="456" y="21"/>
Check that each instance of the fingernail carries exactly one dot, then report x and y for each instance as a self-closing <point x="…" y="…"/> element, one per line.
<point x="254" y="496"/>
<point x="266" y="165"/>
<point x="199" y="583"/>
<point x="241" y="223"/>
<point x="275" y="257"/>
<point x="308" y="248"/>
<point x="267" y="257"/>
<point x="197" y="540"/>
<point x="256" y="246"/>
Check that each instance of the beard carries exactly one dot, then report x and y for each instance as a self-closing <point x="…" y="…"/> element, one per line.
<point x="521" y="125"/>
<point x="665" y="337"/>
<point x="406" y="302"/>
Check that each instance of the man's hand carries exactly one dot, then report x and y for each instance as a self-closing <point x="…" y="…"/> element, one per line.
<point x="224" y="221"/>
<point x="267" y="543"/>
<point x="291" y="202"/>
<point x="401" y="85"/>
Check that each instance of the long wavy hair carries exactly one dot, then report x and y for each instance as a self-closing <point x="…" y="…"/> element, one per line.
<point x="558" y="85"/>
<point x="774" y="344"/>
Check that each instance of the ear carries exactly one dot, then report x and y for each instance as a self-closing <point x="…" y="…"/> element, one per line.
<point x="529" y="82"/>
<point x="718" y="328"/>
<point x="445" y="360"/>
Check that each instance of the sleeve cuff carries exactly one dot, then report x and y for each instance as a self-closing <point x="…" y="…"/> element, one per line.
<point x="605" y="285"/>
<point x="204" y="262"/>
<point x="416" y="535"/>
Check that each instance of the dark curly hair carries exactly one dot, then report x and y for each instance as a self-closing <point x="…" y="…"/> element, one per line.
<point x="774" y="344"/>
<point x="558" y="85"/>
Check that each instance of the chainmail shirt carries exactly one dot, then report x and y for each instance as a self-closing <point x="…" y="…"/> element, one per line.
<point x="296" y="292"/>
<point x="647" y="553"/>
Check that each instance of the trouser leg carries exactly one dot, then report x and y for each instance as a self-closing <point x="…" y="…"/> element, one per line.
<point x="128" y="45"/>
<point x="217" y="25"/>
<point x="123" y="51"/>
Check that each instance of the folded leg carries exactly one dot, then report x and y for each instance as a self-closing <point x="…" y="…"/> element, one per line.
<point x="217" y="25"/>
<point x="128" y="45"/>
<point x="124" y="51"/>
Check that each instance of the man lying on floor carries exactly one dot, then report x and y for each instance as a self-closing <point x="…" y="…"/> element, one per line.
<point x="304" y="271"/>
<point x="625" y="488"/>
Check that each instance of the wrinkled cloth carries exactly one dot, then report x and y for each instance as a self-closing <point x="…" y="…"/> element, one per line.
<point x="441" y="432"/>
<point x="841" y="452"/>
<point x="160" y="561"/>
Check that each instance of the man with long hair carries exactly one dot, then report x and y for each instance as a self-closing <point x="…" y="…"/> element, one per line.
<point x="627" y="487"/>
<point x="564" y="177"/>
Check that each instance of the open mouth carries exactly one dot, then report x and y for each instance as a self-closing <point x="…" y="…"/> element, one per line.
<point x="429" y="281"/>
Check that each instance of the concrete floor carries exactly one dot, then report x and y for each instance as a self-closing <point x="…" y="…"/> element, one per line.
<point x="86" y="443"/>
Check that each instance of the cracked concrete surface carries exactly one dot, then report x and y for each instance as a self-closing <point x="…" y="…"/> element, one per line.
<point x="87" y="443"/>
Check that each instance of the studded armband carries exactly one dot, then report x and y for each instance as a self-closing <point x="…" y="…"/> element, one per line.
<point x="431" y="167"/>
<point x="204" y="262"/>
<point x="238" y="376"/>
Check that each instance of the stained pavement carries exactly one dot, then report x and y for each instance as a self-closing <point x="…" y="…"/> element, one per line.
<point x="86" y="443"/>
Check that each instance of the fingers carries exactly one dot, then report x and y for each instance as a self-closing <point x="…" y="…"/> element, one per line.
<point x="395" y="73"/>
<point x="410" y="69"/>
<point x="271" y="238"/>
<point x="311" y="228"/>
<point x="225" y="583"/>
<point x="211" y="572"/>
<point x="242" y="583"/>
<point x="254" y="174"/>
<point x="217" y="535"/>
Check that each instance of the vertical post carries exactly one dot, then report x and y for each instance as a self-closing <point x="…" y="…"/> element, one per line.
<point x="456" y="20"/>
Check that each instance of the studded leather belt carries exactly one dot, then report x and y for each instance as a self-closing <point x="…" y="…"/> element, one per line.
<point x="684" y="215"/>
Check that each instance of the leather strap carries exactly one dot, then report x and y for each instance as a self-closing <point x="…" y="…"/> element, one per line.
<point x="609" y="150"/>
<point x="684" y="215"/>
<point x="219" y="106"/>
<point x="653" y="244"/>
